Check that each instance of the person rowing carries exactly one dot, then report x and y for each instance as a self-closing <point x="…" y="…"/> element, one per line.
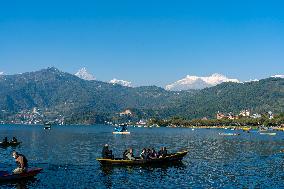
<point x="22" y="162"/>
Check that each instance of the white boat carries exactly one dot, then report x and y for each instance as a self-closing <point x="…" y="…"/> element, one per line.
<point x="121" y="133"/>
<point x="270" y="134"/>
<point x="229" y="134"/>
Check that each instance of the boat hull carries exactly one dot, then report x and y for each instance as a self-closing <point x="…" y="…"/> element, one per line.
<point x="9" y="144"/>
<point x="169" y="158"/>
<point x="5" y="176"/>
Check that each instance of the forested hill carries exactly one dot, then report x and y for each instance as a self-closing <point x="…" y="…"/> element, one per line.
<point x="258" y="96"/>
<point x="53" y="90"/>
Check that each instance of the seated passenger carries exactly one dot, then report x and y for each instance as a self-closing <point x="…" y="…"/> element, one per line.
<point x="143" y="154"/>
<point x="148" y="153"/>
<point x="153" y="154"/>
<point x="14" y="140"/>
<point x="124" y="154"/>
<point x="163" y="152"/>
<point x="129" y="155"/>
<point x="106" y="153"/>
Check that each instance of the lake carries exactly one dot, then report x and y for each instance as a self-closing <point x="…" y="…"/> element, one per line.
<point x="68" y="156"/>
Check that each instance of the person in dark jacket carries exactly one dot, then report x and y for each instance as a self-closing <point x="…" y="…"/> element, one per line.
<point x="153" y="154"/>
<point x="163" y="152"/>
<point x="5" y="140"/>
<point x="106" y="153"/>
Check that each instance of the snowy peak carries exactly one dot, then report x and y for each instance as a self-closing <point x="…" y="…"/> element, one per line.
<point x="1" y="73"/>
<point x="83" y="74"/>
<point x="196" y="82"/>
<point x="120" y="82"/>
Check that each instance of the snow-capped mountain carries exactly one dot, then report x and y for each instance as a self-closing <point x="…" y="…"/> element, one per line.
<point x="278" y="76"/>
<point x="196" y="82"/>
<point x="83" y="74"/>
<point x="121" y="82"/>
<point x="1" y="73"/>
<point x="251" y="80"/>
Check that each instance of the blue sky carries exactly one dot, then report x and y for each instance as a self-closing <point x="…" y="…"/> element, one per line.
<point x="148" y="42"/>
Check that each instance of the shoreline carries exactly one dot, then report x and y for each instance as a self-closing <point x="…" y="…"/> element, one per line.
<point x="243" y="128"/>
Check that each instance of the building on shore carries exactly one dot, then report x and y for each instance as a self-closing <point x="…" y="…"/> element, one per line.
<point x="127" y="112"/>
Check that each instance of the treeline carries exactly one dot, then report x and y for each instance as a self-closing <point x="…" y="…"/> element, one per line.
<point x="278" y="120"/>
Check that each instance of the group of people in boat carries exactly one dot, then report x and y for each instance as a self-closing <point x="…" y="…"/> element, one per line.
<point x="5" y="140"/>
<point x="152" y="154"/>
<point x="128" y="154"/>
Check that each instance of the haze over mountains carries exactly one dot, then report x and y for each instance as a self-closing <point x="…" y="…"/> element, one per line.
<point x="62" y="93"/>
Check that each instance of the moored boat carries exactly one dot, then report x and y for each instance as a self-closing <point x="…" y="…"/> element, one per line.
<point x="167" y="159"/>
<point x="6" y="176"/>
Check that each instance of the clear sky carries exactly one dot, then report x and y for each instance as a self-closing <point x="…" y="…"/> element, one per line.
<point x="148" y="42"/>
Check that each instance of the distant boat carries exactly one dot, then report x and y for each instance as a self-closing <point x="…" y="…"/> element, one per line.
<point x="47" y="126"/>
<point x="121" y="130"/>
<point x="121" y="133"/>
<point x="229" y="134"/>
<point x="271" y="134"/>
<point x="7" y="144"/>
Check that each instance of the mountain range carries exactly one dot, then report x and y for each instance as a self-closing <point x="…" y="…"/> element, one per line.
<point x="52" y="90"/>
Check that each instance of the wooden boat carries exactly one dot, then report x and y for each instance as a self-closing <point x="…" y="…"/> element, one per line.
<point x="13" y="144"/>
<point x="6" y="176"/>
<point x="167" y="159"/>
<point x="121" y="132"/>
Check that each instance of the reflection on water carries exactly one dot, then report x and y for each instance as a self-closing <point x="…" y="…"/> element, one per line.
<point x="68" y="157"/>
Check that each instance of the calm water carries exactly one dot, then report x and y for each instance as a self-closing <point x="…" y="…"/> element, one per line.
<point x="68" y="157"/>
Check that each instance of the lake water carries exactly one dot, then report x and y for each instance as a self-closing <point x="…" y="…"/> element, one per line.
<point x="68" y="156"/>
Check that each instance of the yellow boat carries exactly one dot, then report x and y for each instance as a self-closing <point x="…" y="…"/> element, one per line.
<point x="167" y="159"/>
<point x="246" y="128"/>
